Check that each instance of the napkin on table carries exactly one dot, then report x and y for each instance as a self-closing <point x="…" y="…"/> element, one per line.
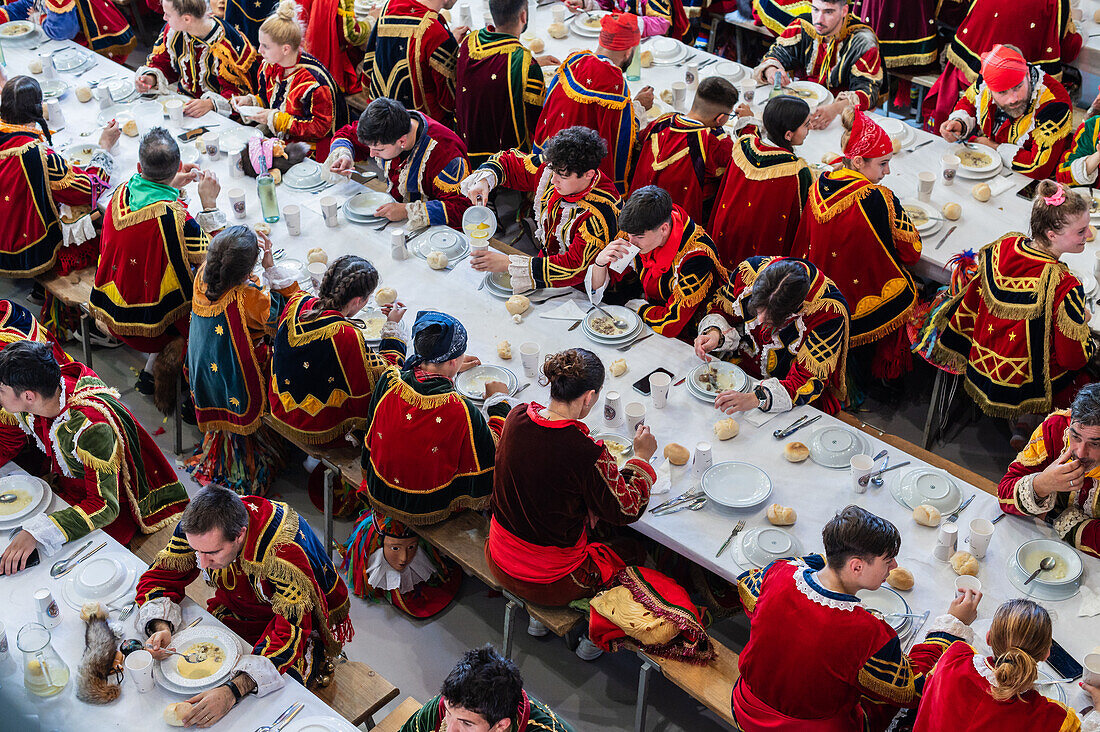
<point x="568" y="310"/>
<point x="1090" y="603"/>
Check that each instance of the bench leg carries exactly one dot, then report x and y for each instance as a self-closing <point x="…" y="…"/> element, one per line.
<point x="509" y="626"/>
<point x="330" y="483"/>
<point x="180" y="396"/>
<point x="86" y="335"/>
<point x="645" y="676"/>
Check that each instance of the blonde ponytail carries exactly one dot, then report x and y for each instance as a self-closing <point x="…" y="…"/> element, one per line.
<point x="283" y="26"/>
<point x="1020" y="637"/>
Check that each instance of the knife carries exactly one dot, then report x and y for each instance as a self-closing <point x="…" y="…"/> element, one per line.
<point x="362" y="178"/>
<point x="70" y="567"/>
<point x="949" y="233"/>
<point x="191" y="134"/>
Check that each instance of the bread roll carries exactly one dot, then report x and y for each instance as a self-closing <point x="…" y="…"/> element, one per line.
<point x="1091" y="236"/>
<point x="317" y="254"/>
<point x="517" y="304"/>
<point x="385" y="295"/>
<point x="262" y="228"/>
<point x="504" y="350"/>
<point x="537" y="45"/>
<point x="926" y="515"/>
<point x="952" y="211"/>
<point x="666" y="96"/>
<point x="795" y="452"/>
<point x="557" y="30"/>
<point x="83" y="93"/>
<point x="91" y="610"/>
<point x="981" y="192"/>
<point x="174" y="714"/>
<point x="677" y="454"/>
<point x="900" y="578"/>
<point x="647" y="59"/>
<point x="781" y="515"/>
<point x="1096" y="17"/>
<point x="438" y="260"/>
<point x="130" y="128"/>
<point x="726" y="429"/>
<point x="895" y="143"/>
<point x="35" y="66"/>
<point x="964" y="563"/>
<point x="618" y="367"/>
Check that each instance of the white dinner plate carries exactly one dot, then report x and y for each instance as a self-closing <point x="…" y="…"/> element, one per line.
<point x="729" y="376"/>
<point x="1051" y="593"/>
<point x="728" y="70"/>
<point x="621" y="447"/>
<point x="235" y="139"/>
<point x="80" y="155"/>
<point x="71" y="59"/>
<point x="931" y="222"/>
<point x="587" y="24"/>
<point x="595" y="324"/>
<point x="366" y="203"/>
<point x="989" y="166"/>
<point x="471" y="384"/>
<point x="327" y="723"/>
<point x="814" y="94"/>
<point x="306" y="174"/>
<point x="736" y="485"/>
<point x="182" y="641"/>
<point x="1088" y="281"/>
<point x="17" y="30"/>
<point x="441" y="239"/>
<point x="763" y="545"/>
<point x="834" y="446"/>
<point x="896" y="129"/>
<point x="35" y="488"/>
<point x="928" y="485"/>
<point x="884" y="601"/>
<point x="374" y="320"/>
<point x="104" y="577"/>
<point x="53" y="88"/>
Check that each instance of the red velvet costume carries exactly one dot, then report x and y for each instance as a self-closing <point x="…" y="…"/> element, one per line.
<point x="686" y="158"/>
<point x="334" y="36"/>
<point x="590" y="91"/>
<point x="818" y="661"/>
<point x="906" y="30"/>
<point x="957" y="698"/>
<point x="144" y="280"/>
<point x="308" y="104"/>
<point x="18" y="324"/>
<point x="426" y="177"/>
<point x="1018" y="330"/>
<point x="36" y="181"/>
<point x="805" y="357"/>
<point x="571" y="229"/>
<point x="94" y="24"/>
<point x="1041" y="29"/>
<point x="760" y="201"/>
<point x="410" y="57"/>
<point x="859" y="236"/>
<point x="1076" y="515"/>
<point x="550" y="480"/>
<point x="279" y="591"/>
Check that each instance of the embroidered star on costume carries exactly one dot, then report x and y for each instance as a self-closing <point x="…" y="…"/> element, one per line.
<point x="214" y="367"/>
<point x="234" y="401"/>
<point x="1011" y="336"/>
<point x="219" y="330"/>
<point x="438" y="420"/>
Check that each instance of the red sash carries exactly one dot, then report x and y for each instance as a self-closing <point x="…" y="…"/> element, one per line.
<point x="753" y="715"/>
<point x="529" y="562"/>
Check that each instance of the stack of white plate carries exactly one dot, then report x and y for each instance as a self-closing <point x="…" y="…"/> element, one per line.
<point x="362" y="208"/>
<point x="104" y="577"/>
<point x="587" y="24"/>
<point x="727" y="375"/>
<point x="728" y="70"/>
<point x="122" y="91"/>
<point x="884" y="601"/>
<point x="1088" y="282"/>
<point x="166" y="673"/>
<point x="1060" y="583"/>
<point x="326" y="723"/>
<point x="53" y="88"/>
<point x="834" y="446"/>
<point x="898" y="131"/>
<point x="977" y="162"/>
<point x="736" y="485"/>
<point x="305" y="176"/>
<point x="373" y="320"/>
<point x="499" y="284"/>
<point x="928" y="486"/>
<point x="471" y="384"/>
<point x="617" y="337"/>
<point x="667" y="51"/>
<point x="926" y="219"/>
<point x="814" y="94"/>
<point x="441" y="239"/>
<point x="71" y="60"/>
<point x="33" y="496"/>
<point x="620" y="447"/>
<point x="760" y="546"/>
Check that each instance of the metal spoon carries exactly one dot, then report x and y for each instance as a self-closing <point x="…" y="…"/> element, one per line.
<point x="877" y="480"/>
<point x="1045" y="565"/>
<point x="617" y="322"/>
<point x="865" y="479"/>
<point x="62" y="565"/>
<point x="193" y="657"/>
<point x="8" y="497"/>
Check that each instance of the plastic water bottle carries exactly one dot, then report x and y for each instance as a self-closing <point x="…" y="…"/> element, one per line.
<point x="269" y="204"/>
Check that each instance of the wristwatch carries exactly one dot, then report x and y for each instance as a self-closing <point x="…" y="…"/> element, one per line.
<point x="764" y="396"/>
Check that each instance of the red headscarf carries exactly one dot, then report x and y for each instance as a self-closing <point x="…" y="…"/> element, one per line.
<point x="1003" y="68"/>
<point x="867" y="139"/>
<point x="620" y="32"/>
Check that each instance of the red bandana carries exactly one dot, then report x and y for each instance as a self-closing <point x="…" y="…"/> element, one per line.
<point x="867" y="140"/>
<point x="1003" y="68"/>
<point x="619" y="32"/>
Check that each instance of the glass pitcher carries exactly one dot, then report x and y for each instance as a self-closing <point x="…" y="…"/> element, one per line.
<point x="44" y="673"/>
<point x="479" y="223"/>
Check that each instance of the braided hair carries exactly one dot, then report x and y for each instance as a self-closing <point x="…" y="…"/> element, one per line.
<point x="21" y="104"/>
<point x="229" y="259"/>
<point x="345" y="279"/>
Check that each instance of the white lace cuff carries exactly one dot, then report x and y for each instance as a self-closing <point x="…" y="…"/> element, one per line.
<point x="966" y="119"/>
<point x="781" y="399"/>
<point x="476" y="177"/>
<point x="595" y="295"/>
<point x="758" y="72"/>
<point x="162" y="87"/>
<point x="1091" y="721"/>
<point x="741" y="123"/>
<point x="950" y="624"/>
<point x="221" y="104"/>
<point x="1028" y="501"/>
<point x="1008" y="151"/>
<point x="278" y="277"/>
<point x="159" y="608"/>
<point x="496" y="399"/>
<point x="1080" y="172"/>
<point x="416" y="213"/>
<point x="262" y="671"/>
<point x="730" y="339"/>
<point x="394" y="330"/>
<point x="341" y="150"/>
<point x="1069" y="520"/>
<point x="102" y="159"/>
<point x="48" y="534"/>
<point x="519" y="268"/>
<point x="211" y="221"/>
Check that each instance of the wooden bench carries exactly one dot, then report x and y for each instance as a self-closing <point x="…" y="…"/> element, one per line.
<point x="711" y="684"/>
<point x="357" y="691"/>
<point x="357" y="103"/>
<point x="393" y="721"/>
<point x="74" y="295"/>
<point x="146" y="546"/>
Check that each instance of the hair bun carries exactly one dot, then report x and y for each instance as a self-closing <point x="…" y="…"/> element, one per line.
<point x="287" y="10"/>
<point x="565" y="365"/>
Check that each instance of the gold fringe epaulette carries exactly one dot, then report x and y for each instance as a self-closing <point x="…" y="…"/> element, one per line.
<point x="784" y="164"/>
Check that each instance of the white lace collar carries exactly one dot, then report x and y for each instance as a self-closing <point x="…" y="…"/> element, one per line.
<point x="806" y="583"/>
<point x="981" y="665"/>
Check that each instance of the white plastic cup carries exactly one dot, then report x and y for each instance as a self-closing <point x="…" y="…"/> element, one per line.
<point x="139" y="667"/>
<point x="174" y="108"/>
<point x="398" y="250"/>
<point x="966" y="582"/>
<point x="465" y="15"/>
<point x="210" y="139"/>
<point x="748" y="91"/>
<point x="679" y="94"/>
<point x="635" y="415"/>
<point x="925" y="183"/>
<point x="237" y="202"/>
<point x="1091" y="664"/>
<point x="659" y="384"/>
<point x="328" y="210"/>
<point x="316" y="272"/>
<point x="613" y="408"/>
<point x="49" y="71"/>
<point x="942" y="552"/>
<point x="57" y="117"/>
<point x="691" y="75"/>
<point x="529" y="356"/>
<point x="292" y="215"/>
<point x="559" y="13"/>
<point x="949" y="168"/>
<point x="949" y="535"/>
<point x="46" y="609"/>
<point x="861" y="466"/>
<point x="981" y="531"/>
<point x="702" y="460"/>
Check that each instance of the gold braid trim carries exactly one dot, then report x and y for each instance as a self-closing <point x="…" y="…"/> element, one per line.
<point x="959" y="63"/>
<point x="886" y="690"/>
<point x="1046" y="284"/>
<point x="770" y="172"/>
<point x="125" y="218"/>
<point x="173" y="562"/>
<point x="17" y="151"/>
<point x="583" y="98"/>
<point x="1069" y="327"/>
<point x="824" y="211"/>
<point x="414" y="398"/>
<point x="7" y="418"/>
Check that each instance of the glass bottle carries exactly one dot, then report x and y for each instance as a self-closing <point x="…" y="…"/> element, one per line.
<point x="269" y="204"/>
<point x="777" y="87"/>
<point x="634" y="70"/>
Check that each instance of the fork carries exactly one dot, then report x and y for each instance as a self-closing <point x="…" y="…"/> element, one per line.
<point x="630" y="345"/>
<point x="689" y="496"/>
<point x="84" y="71"/>
<point x="736" y="530"/>
<point x="385" y="223"/>
<point x="954" y="516"/>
